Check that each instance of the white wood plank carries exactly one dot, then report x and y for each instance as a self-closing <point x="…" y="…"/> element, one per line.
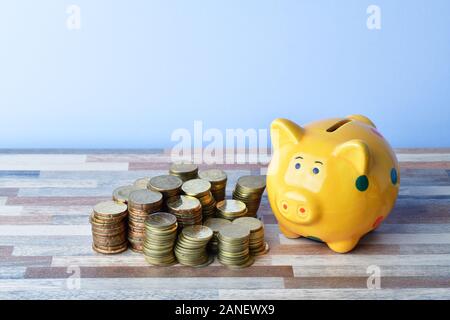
<point x="383" y="238"/>
<point x="425" y="191"/>
<point x="47" y="183"/>
<point x="361" y="260"/>
<point x="44" y="230"/>
<point x="336" y="294"/>
<point x="62" y="166"/>
<point x="24" y="159"/>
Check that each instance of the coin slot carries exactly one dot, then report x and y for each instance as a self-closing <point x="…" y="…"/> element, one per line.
<point x="337" y="125"/>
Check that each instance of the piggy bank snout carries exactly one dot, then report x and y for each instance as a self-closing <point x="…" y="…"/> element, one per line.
<point x="298" y="208"/>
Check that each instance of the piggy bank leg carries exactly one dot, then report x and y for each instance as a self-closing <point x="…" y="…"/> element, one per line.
<point x="288" y="234"/>
<point x="343" y="246"/>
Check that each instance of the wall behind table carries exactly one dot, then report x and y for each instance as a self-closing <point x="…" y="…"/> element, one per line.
<point x="137" y="70"/>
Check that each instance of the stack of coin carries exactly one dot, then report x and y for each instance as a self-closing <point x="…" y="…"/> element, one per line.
<point x="201" y="189"/>
<point x="231" y="209"/>
<point x="169" y="186"/>
<point x="141" y="203"/>
<point x="234" y="249"/>
<point x="188" y="210"/>
<point x="249" y="189"/>
<point x="218" y="180"/>
<point x="109" y="227"/>
<point x="191" y="245"/>
<point x="160" y="238"/>
<point x="184" y="171"/>
<point x="141" y="183"/>
<point x="215" y="224"/>
<point x="257" y="245"/>
<point x="121" y="194"/>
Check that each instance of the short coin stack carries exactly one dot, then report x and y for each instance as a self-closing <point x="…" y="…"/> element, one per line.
<point x="188" y="210"/>
<point x="109" y="227"/>
<point x="249" y="189"/>
<point x="190" y="249"/>
<point x="218" y="180"/>
<point x="215" y="224"/>
<point x="160" y="238"/>
<point x="231" y="209"/>
<point x="184" y="171"/>
<point x="201" y="189"/>
<point x="121" y="194"/>
<point x="169" y="186"/>
<point x="141" y="203"/>
<point x="257" y="245"/>
<point x="234" y="249"/>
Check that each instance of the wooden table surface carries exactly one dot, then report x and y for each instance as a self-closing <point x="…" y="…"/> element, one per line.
<point x="45" y="239"/>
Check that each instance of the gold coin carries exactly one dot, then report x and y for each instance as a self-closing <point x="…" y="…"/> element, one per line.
<point x="110" y="208"/>
<point x="252" y="183"/>
<point x="141" y="183"/>
<point x="185" y="203"/>
<point x="121" y="194"/>
<point x="196" y="187"/>
<point x="231" y="206"/>
<point x="215" y="224"/>
<point x="161" y="220"/>
<point x="214" y="176"/>
<point x="200" y="233"/>
<point x="183" y="168"/>
<point x="119" y="249"/>
<point x="144" y="197"/>
<point x="165" y="183"/>
<point x="253" y="224"/>
<point x="234" y="232"/>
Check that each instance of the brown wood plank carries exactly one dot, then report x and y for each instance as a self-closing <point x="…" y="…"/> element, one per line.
<point x="55" y="201"/>
<point x="8" y="192"/>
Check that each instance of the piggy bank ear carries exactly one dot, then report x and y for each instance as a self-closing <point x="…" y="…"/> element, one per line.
<point x="360" y="117"/>
<point x="356" y="152"/>
<point x="283" y="132"/>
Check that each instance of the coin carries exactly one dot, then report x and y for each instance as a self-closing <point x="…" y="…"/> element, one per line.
<point x="196" y="187"/>
<point x="144" y="197"/>
<point x="249" y="189"/>
<point x="121" y="194"/>
<point x="165" y="183"/>
<point x="198" y="233"/>
<point x="185" y="171"/>
<point x="190" y="248"/>
<point x="214" y="176"/>
<point x="110" y="208"/>
<point x="257" y="245"/>
<point x="161" y="220"/>
<point x="231" y="209"/>
<point x="141" y="183"/>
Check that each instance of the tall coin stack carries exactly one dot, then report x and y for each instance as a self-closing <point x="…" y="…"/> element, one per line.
<point x="190" y="249"/>
<point x="188" y="210"/>
<point x="109" y="227"/>
<point x="169" y="186"/>
<point x="218" y="180"/>
<point x="257" y="245"/>
<point x="141" y="203"/>
<point x="160" y="238"/>
<point x="231" y="209"/>
<point x="234" y="249"/>
<point x="249" y="189"/>
<point x="215" y="224"/>
<point x="184" y="171"/>
<point x="201" y="189"/>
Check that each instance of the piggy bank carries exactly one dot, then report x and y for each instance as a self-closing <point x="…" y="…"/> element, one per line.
<point x="332" y="180"/>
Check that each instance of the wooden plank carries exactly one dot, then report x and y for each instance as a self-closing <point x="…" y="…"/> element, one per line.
<point x="45" y="230"/>
<point x="360" y="259"/>
<point x="25" y="220"/>
<point x="56" y="201"/>
<point x="122" y="294"/>
<point x="12" y="272"/>
<point x="425" y="165"/>
<point x="148" y="271"/>
<point x="11" y="261"/>
<point x="361" y="282"/>
<point x="6" y="250"/>
<point x="362" y="271"/>
<point x="387" y="238"/>
<point x="337" y="294"/>
<point x="8" y="192"/>
<point x="423" y="157"/>
<point x="46" y="183"/>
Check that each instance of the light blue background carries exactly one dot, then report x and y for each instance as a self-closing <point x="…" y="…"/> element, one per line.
<point x="137" y="70"/>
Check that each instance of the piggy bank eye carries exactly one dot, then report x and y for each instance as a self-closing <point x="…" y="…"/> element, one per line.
<point x="298" y="166"/>
<point x="316" y="170"/>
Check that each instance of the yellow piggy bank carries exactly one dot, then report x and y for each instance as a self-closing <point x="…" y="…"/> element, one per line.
<point x="333" y="180"/>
